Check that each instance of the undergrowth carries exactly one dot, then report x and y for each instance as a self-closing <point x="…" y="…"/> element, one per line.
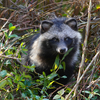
<point x="23" y="17"/>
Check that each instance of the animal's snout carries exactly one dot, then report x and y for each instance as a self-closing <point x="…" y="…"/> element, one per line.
<point x="63" y="50"/>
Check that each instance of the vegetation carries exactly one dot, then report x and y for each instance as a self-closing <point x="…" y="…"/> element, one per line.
<point x="18" y="17"/>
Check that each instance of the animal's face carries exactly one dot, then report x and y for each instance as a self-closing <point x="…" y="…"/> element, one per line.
<point x="60" y="45"/>
<point x="59" y="35"/>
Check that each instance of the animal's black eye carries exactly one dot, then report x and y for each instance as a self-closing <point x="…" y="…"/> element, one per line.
<point x="55" y="39"/>
<point x="66" y="39"/>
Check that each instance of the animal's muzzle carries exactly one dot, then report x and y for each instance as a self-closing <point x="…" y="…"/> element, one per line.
<point x="62" y="50"/>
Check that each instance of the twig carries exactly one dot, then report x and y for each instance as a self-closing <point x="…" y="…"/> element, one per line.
<point x="93" y="82"/>
<point x="93" y="59"/>
<point x="91" y="76"/>
<point x="3" y="56"/>
<point x="6" y="22"/>
<point x="51" y="94"/>
<point x="14" y="3"/>
<point x="6" y="77"/>
<point x="84" y="48"/>
<point x="23" y="37"/>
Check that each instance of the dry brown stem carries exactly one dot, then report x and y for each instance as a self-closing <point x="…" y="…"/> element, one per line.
<point x="83" y="54"/>
<point x="75" y="86"/>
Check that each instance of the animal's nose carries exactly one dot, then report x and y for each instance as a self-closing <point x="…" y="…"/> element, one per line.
<point x="63" y="50"/>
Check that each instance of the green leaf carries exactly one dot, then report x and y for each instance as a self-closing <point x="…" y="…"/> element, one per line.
<point x="60" y="66"/>
<point x="98" y="6"/>
<point x="64" y="65"/>
<point x="29" y="99"/>
<point x="12" y="36"/>
<point x="57" y="60"/>
<point x="44" y="74"/>
<point x="96" y="90"/>
<point x="50" y="84"/>
<point x="66" y="54"/>
<point x="55" y="67"/>
<point x="22" y="44"/>
<point x="23" y="95"/>
<point x="64" y="15"/>
<point x="7" y="62"/>
<point x="51" y="76"/>
<point x="61" y="92"/>
<point x="10" y="25"/>
<point x="18" y="85"/>
<point x="23" y="51"/>
<point x="22" y="85"/>
<point x="3" y="73"/>
<point x="86" y="92"/>
<point x="27" y="83"/>
<point x="45" y="83"/>
<point x="62" y="98"/>
<point x="30" y="93"/>
<point x="21" y="78"/>
<point x="3" y="83"/>
<point x="64" y="77"/>
<point x="12" y="28"/>
<point x="91" y="95"/>
<point x="10" y="82"/>
<point x="98" y="85"/>
<point x="26" y="76"/>
<point x="68" y="90"/>
<point x="6" y="35"/>
<point x="17" y="77"/>
<point x="96" y="93"/>
<point x="11" y="96"/>
<point x="56" y="96"/>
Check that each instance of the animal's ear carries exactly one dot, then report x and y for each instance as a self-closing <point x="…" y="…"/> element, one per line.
<point x="45" y="26"/>
<point x="72" y="23"/>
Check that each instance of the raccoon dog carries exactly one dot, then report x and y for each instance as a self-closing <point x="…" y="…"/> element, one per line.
<point x="57" y="36"/>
